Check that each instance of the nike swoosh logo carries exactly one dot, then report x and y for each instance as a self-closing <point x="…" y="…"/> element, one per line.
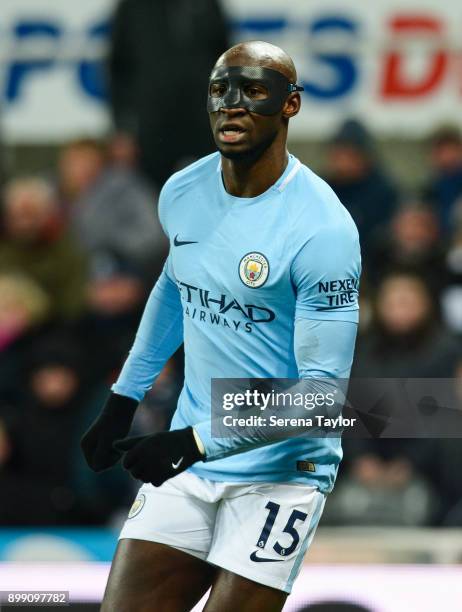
<point x="176" y="465"/>
<point x="177" y="242"/>
<point x="253" y="557"/>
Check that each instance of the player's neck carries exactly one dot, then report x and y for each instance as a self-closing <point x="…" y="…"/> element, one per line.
<point x="248" y="179"/>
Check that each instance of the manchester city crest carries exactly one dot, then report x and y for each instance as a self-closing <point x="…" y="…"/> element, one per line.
<point x="137" y="505"/>
<point x="254" y="270"/>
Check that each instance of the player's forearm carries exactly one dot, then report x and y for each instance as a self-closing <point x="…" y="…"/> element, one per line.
<point x="324" y="354"/>
<point x="159" y="335"/>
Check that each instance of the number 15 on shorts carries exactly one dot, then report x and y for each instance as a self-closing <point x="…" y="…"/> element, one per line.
<point x="296" y="519"/>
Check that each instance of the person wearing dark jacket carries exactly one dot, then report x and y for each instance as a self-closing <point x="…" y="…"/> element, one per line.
<point x="445" y="186"/>
<point x="161" y="55"/>
<point x="407" y="341"/>
<point x="355" y="174"/>
<point x="41" y="471"/>
<point x="411" y="244"/>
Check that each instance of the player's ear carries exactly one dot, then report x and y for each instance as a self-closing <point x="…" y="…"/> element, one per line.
<point x="292" y="105"/>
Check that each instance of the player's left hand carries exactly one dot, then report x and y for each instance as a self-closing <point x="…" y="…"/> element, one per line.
<point x="160" y="456"/>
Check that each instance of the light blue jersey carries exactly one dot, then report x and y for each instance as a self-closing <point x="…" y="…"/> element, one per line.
<point x="240" y="273"/>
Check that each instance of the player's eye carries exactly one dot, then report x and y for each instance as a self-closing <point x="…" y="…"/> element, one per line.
<point x="256" y="92"/>
<point x="217" y="90"/>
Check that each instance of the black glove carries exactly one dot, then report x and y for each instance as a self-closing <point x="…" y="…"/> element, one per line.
<point x="160" y="456"/>
<point x="113" y="423"/>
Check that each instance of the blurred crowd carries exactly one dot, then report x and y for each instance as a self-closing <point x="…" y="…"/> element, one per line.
<point x="81" y="247"/>
<point x="410" y="324"/>
<point x="78" y="254"/>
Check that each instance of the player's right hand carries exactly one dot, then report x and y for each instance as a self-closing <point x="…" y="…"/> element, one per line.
<point x="112" y="424"/>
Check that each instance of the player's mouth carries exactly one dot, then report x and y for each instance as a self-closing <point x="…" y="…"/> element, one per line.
<point x="231" y="132"/>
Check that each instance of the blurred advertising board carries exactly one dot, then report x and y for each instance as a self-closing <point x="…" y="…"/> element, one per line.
<point x="51" y="69"/>
<point x="376" y="588"/>
<point x="397" y="64"/>
<point x="69" y="544"/>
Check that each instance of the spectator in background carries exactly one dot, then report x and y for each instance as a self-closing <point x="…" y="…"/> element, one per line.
<point x="110" y="208"/>
<point x="446" y="165"/>
<point x="3" y="162"/>
<point x="35" y="243"/>
<point x="362" y="185"/>
<point x="381" y="484"/>
<point x="161" y="55"/>
<point x="451" y="300"/>
<point x="389" y="481"/>
<point x="39" y="475"/>
<point x="24" y="308"/>
<point x="115" y="296"/>
<point x="123" y="151"/>
<point x="412" y="243"/>
<point x="446" y="454"/>
<point x="23" y="305"/>
<point x="407" y="340"/>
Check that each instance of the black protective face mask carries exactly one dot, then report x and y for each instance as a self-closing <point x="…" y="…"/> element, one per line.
<point x="231" y="87"/>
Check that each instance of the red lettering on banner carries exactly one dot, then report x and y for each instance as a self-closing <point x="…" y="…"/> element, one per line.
<point x="395" y="83"/>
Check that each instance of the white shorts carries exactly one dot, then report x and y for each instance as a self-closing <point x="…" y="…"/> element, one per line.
<point x="260" y="531"/>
